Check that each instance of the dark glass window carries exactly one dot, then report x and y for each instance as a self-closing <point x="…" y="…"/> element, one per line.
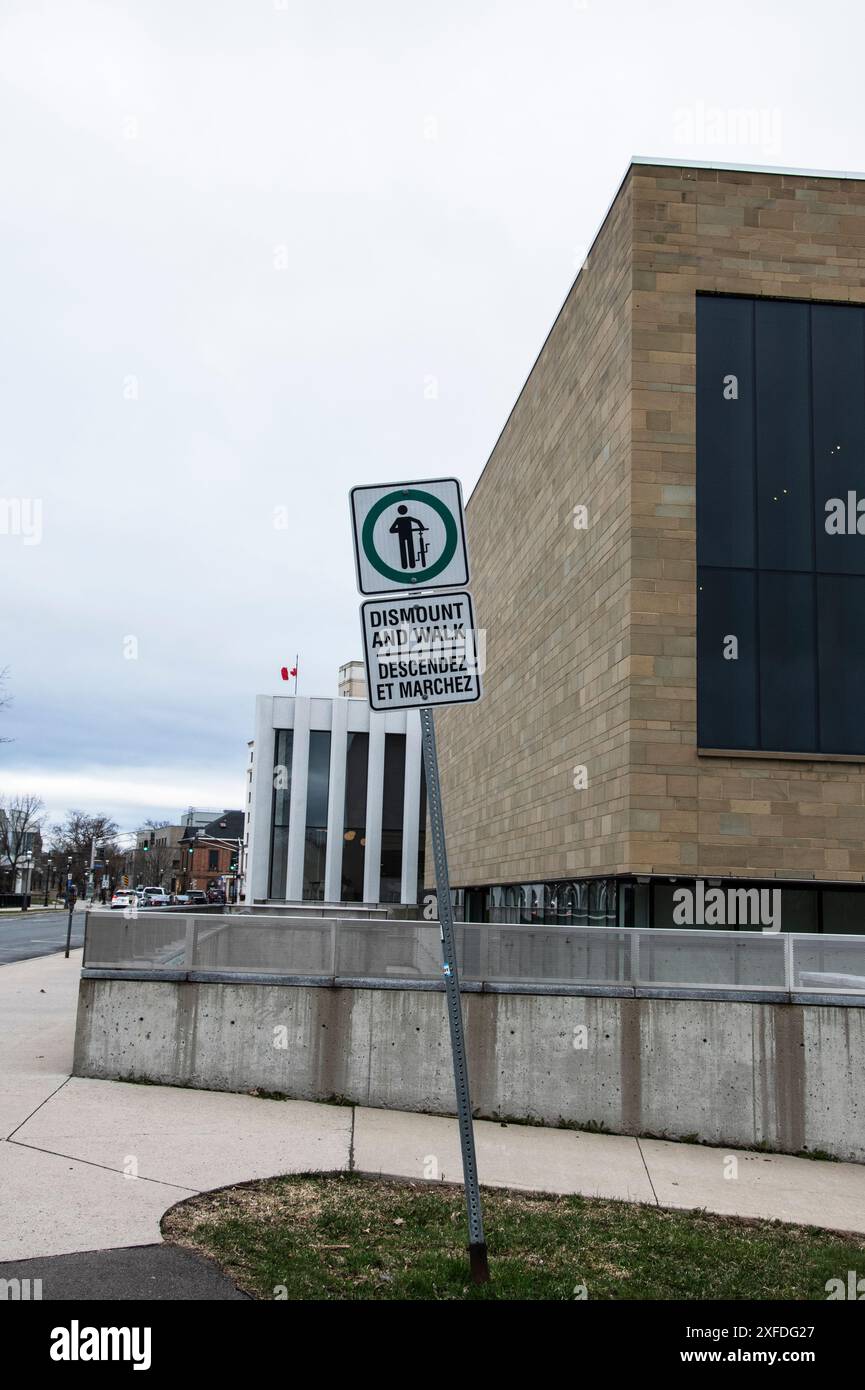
<point x="421" y="838"/>
<point x="634" y="904"/>
<point x="393" y="804"/>
<point x="354" y="818"/>
<point x="841" y="626"/>
<point x="566" y="903"/>
<point x="474" y="907"/>
<point x="780" y="477"/>
<point x="727" y="683"/>
<point x="783" y="407"/>
<point x="581" y="904"/>
<point x="511" y="905"/>
<point x="799" y="909"/>
<point x="524" y="893"/>
<point x="281" y="803"/>
<point x="725" y="431"/>
<point x="787" y="662"/>
<point x="315" y="847"/>
<point x="213" y="859"/>
<point x="843" y="912"/>
<point x="838" y="356"/>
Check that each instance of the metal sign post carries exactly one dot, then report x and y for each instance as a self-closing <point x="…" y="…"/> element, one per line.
<point x="72" y="897"/>
<point x="420" y="651"/>
<point x="477" y="1245"/>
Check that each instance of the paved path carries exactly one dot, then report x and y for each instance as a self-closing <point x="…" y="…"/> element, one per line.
<point x="155" y="1273"/>
<point x="24" y="935"/>
<point x="92" y="1165"/>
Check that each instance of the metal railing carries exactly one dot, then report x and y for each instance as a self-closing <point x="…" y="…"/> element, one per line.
<point x="339" y="948"/>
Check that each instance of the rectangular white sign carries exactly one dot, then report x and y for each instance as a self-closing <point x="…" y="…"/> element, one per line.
<point x="409" y="536"/>
<point x="421" y="651"/>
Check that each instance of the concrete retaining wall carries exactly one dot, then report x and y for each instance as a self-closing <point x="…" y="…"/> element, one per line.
<point x="788" y="1076"/>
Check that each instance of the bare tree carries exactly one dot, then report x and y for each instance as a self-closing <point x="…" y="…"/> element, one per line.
<point x="75" y="837"/>
<point x="160" y="854"/>
<point x="20" y="821"/>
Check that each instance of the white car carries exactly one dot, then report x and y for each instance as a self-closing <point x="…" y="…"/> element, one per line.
<point x="123" y="897"/>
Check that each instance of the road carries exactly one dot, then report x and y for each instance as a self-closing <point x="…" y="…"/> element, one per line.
<point x="35" y="933"/>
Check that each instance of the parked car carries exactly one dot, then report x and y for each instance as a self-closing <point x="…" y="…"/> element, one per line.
<point x="216" y="895"/>
<point x="124" y="897"/>
<point x="196" y="896"/>
<point x="155" y="897"/>
<point x="179" y="899"/>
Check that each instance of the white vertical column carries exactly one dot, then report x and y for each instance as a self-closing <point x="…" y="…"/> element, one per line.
<point x="336" y="802"/>
<point x="261" y="806"/>
<point x="374" y="796"/>
<point x="411" y="807"/>
<point x="297" y="807"/>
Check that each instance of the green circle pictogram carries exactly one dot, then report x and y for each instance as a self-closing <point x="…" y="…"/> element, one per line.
<point x="414" y="495"/>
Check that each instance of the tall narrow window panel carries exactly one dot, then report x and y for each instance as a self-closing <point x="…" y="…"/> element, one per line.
<point x="780" y="526"/>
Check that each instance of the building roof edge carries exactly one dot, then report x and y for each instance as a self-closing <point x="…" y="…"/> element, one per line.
<point x="746" y="168"/>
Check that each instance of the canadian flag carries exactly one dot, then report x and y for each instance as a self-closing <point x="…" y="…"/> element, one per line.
<point x="285" y="672"/>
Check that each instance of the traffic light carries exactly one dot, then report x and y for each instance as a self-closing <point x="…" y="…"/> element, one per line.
<point x="146" y="848"/>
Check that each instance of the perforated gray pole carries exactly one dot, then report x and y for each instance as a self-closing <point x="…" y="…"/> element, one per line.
<point x="477" y="1246"/>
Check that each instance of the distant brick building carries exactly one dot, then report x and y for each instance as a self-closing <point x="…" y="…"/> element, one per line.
<point x="210" y="854"/>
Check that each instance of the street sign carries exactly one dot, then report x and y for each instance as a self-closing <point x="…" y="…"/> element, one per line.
<point x="421" y="651"/>
<point x="409" y="535"/>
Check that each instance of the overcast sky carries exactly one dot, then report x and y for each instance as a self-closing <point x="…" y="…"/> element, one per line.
<point x="256" y="251"/>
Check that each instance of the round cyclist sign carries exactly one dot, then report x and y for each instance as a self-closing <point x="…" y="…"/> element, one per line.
<point x="409" y="535"/>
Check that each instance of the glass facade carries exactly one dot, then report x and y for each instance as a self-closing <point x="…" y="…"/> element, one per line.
<point x="350" y="841"/>
<point x="738" y="904"/>
<point x="315" y="845"/>
<point x="580" y="903"/>
<point x="354" y="818"/>
<point x="780" y="537"/>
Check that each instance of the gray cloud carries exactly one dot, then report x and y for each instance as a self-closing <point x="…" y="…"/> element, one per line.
<point x="257" y="253"/>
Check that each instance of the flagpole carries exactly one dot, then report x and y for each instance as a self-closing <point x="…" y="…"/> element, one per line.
<point x="296" y="669"/>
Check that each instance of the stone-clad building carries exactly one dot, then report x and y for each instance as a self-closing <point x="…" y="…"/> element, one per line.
<point x="702" y="396"/>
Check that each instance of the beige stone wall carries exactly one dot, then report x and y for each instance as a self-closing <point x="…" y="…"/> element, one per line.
<point x="743" y="233"/>
<point x="592" y="635"/>
<point x="554" y="602"/>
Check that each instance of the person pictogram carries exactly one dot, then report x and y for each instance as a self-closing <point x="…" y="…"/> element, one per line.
<point x="412" y="546"/>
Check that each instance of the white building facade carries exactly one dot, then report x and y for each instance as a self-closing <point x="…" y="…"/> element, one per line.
<point x="336" y="806"/>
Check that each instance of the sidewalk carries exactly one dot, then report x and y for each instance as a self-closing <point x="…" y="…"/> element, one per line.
<point x="93" y="1165"/>
<point x="37" y="907"/>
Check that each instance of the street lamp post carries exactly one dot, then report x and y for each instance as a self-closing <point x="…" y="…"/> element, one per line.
<point x="26" y="871"/>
